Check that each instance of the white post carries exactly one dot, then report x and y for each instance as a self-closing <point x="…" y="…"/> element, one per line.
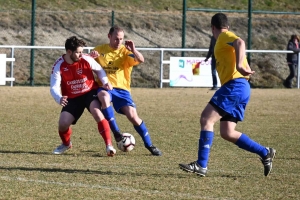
<point x="298" y="77"/>
<point x="161" y="68"/>
<point x="12" y="66"/>
<point x="2" y="69"/>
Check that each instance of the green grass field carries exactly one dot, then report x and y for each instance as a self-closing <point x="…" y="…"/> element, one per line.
<point x="28" y="132"/>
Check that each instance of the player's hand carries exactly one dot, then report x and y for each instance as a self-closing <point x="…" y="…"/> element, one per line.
<point x="247" y="72"/>
<point x="250" y="73"/>
<point x="64" y="101"/>
<point x="129" y="44"/>
<point x="205" y="60"/>
<point x="94" y="54"/>
<point x="108" y="86"/>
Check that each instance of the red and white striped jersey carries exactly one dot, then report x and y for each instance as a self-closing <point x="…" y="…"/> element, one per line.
<point x="75" y="79"/>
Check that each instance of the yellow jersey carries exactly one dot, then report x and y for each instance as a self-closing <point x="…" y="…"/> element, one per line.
<point x="226" y="59"/>
<point x="117" y="64"/>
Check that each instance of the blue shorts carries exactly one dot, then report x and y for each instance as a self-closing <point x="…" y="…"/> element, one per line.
<point x="232" y="98"/>
<point x="119" y="98"/>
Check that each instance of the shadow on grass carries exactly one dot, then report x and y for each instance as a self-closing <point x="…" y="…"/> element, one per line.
<point x="50" y="153"/>
<point x="99" y="172"/>
<point x="86" y="171"/>
<point x="81" y="171"/>
<point x="25" y="152"/>
<point x="85" y="153"/>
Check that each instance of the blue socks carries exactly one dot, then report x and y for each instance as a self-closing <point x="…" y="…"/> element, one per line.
<point x="110" y="117"/>
<point x="141" y="129"/>
<point x="143" y="132"/>
<point x="205" y="142"/>
<point x="244" y="142"/>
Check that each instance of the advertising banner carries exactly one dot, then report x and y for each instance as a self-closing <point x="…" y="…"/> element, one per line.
<point x="191" y="72"/>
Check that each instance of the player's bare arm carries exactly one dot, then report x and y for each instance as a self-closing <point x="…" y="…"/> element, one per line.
<point x="239" y="46"/>
<point x="129" y="44"/>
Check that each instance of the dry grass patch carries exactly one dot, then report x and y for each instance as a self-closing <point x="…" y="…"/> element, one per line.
<point x="28" y="134"/>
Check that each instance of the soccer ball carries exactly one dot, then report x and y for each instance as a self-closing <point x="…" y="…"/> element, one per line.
<point x="127" y="143"/>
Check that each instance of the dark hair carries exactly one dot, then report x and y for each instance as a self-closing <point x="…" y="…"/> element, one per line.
<point x="219" y="20"/>
<point x="72" y="43"/>
<point x="294" y="37"/>
<point x="115" y="28"/>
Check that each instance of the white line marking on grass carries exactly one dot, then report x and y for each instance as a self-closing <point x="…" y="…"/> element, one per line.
<point x="82" y="185"/>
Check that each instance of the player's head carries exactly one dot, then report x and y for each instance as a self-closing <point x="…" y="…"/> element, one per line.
<point x="116" y="37"/>
<point x="219" y="22"/>
<point x="74" y="48"/>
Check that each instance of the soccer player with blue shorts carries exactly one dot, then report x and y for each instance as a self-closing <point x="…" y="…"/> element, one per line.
<point x="118" y="60"/>
<point x="229" y="102"/>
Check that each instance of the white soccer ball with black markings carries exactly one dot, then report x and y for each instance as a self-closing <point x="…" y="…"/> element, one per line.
<point x="127" y="143"/>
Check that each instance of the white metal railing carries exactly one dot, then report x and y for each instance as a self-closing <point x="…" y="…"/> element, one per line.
<point x="162" y="61"/>
<point x="3" y="61"/>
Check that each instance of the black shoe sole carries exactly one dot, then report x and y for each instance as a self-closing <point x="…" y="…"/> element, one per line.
<point x="190" y="171"/>
<point x="153" y="153"/>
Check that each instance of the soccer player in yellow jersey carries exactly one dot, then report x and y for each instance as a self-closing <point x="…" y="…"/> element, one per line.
<point x="118" y="60"/>
<point x="229" y="102"/>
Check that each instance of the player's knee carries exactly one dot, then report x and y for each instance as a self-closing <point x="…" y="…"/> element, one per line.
<point x="228" y="135"/>
<point x="132" y="118"/>
<point x="63" y="125"/>
<point x="205" y="121"/>
<point x="135" y="120"/>
<point x="65" y="121"/>
<point x="105" y="101"/>
<point x="102" y="94"/>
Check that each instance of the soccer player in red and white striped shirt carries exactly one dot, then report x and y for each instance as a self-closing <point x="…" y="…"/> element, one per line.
<point x="73" y="86"/>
